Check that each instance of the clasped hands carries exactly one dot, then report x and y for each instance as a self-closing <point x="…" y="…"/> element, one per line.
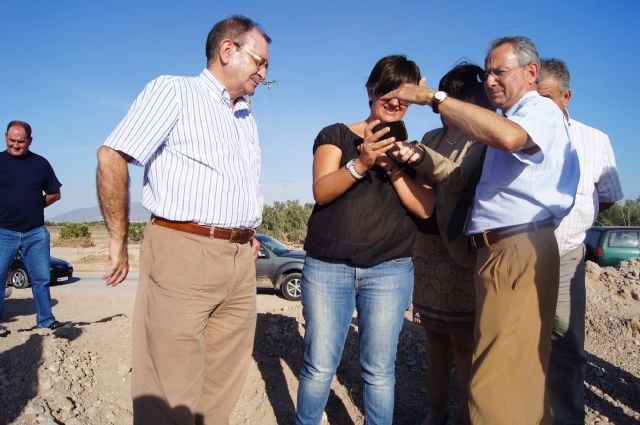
<point x="373" y="151"/>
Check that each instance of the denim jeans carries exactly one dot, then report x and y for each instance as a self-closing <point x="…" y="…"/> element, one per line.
<point x="34" y="246"/>
<point x="330" y="292"/>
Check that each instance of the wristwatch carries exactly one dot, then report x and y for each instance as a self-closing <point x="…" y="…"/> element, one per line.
<point x="351" y="168"/>
<point x="438" y="98"/>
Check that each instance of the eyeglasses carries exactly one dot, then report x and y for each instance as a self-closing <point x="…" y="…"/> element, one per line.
<point x="259" y="60"/>
<point x="498" y="73"/>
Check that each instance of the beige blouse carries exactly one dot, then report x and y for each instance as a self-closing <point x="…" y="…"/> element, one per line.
<point x="451" y="175"/>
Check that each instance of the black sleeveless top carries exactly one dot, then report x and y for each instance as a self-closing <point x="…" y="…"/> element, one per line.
<point x="365" y="226"/>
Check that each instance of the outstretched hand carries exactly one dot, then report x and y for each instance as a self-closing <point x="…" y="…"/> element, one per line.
<point x="414" y="93"/>
<point x="119" y="268"/>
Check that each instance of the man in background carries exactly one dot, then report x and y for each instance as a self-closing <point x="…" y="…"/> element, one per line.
<point x="195" y="312"/>
<point x="598" y="189"/>
<point x="28" y="185"/>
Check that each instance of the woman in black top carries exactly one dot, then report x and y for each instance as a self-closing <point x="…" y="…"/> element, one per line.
<point x="358" y="247"/>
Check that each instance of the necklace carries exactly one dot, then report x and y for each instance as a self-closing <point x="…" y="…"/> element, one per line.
<point x="451" y="142"/>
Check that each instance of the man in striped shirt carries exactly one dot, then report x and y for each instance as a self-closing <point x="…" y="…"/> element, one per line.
<point x="195" y="311"/>
<point x="598" y="189"/>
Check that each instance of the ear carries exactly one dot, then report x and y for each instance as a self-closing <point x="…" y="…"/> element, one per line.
<point x="566" y="97"/>
<point x="532" y="72"/>
<point x="226" y="50"/>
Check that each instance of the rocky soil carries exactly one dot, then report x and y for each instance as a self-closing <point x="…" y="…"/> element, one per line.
<point x="80" y="374"/>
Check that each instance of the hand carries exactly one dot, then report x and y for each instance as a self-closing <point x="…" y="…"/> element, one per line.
<point x="419" y="94"/>
<point x="374" y="145"/>
<point x="408" y="153"/>
<point x="119" y="262"/>
<point x="255" y="248"/>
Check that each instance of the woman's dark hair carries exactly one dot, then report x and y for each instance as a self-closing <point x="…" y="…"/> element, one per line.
<point x="464" y="82"/>
<point x="390" y="72"/>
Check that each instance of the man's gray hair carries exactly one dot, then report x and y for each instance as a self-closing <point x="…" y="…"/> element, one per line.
<point x="557" y="69"/>
<point x="523" y="48"/>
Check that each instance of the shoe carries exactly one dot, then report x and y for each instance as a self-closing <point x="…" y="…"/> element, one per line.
<point x="4" y="331"/>
<point x="56" y="325"/>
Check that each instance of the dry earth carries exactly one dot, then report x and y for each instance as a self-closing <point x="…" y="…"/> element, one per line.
<point x="80" y="374"/>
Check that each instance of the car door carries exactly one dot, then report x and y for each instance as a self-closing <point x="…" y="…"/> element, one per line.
<point x="622" y="245"/>
<point x="264" y="267"/>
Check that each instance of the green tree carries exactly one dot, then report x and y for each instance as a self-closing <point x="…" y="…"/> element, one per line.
<point x="627" y="214"/>
<point x="286" y="221"/>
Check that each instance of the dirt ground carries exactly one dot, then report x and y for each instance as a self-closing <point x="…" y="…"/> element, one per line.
<point x="80" y="374"/>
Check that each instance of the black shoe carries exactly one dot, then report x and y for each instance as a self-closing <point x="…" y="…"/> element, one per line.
<point x="56" y="325"/>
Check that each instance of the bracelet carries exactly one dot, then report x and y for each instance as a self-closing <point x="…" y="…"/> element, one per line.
<point x="351" y="168"/>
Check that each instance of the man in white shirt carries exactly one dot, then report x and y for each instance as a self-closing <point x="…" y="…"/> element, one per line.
<point x="195" y="312"/>
<point x="598" y="189"/>
<point x="528" y="185"/>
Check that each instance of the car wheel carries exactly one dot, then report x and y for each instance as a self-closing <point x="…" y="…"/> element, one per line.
<point x="290" y="287"/>
<point x="19" y="279"/>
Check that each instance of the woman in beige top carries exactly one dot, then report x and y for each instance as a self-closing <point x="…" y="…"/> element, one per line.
<point x="443" y="297"/>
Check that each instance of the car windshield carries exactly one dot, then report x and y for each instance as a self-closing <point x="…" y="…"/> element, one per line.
<point x="273" y="244"/>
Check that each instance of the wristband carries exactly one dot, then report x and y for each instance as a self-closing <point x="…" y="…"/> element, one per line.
<point x="351" y="168"/>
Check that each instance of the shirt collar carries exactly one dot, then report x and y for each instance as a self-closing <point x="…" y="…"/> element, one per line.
<point x="515" y="106"/>
<point x="220" y="92"/>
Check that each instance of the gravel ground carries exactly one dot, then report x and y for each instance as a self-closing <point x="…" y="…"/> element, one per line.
<point x="80" y="374"/>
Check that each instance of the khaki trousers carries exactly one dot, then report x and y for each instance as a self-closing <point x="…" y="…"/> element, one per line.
<point x="568" y="359"/>
<point x="193" y="328"/>
<point x="516" y="291"/>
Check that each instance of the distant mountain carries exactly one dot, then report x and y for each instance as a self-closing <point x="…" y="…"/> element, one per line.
<point x="82" y="215"/>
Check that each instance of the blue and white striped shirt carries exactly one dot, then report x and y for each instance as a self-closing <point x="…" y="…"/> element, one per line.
<point x="201" y="157"/>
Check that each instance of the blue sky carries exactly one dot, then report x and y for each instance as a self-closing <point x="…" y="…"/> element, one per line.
<point x="72" y="68"/>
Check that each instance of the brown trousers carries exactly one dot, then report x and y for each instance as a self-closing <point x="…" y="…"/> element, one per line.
<point x="516" y="291"/>
<point x="193" y="328"/>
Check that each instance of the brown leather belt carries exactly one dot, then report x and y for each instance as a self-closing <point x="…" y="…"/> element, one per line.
<point x="235" y="235"/>
<point x="490" y="237"/>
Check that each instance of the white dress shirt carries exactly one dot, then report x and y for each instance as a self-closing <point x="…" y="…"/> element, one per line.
<point x="201" y="157"/>
<point x="599" y="183"/>
<point x="516" y="187"/>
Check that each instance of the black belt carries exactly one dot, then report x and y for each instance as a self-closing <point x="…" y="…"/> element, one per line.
<point x="490" y="237"/>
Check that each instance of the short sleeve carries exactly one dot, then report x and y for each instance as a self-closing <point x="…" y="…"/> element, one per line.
<point x="52" y="184"/>
<point x="331" y="135"/>
<point x="148" y="122"/>
<point x="608" y="185"/>
<point x="541" y="119"/>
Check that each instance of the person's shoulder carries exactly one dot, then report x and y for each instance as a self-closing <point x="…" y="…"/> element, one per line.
<point x="582" y="127"/>
<point x="38" y="158"/>
<point x="429" y="135"/>
<point x="333" y="129"/>
<point x="165" y="80"/>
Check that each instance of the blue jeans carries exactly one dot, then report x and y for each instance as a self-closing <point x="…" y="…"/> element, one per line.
<point x="34" y="246"/>
<point x="330" y="292"/>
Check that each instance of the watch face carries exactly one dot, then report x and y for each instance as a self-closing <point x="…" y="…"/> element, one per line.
<point x="440" y="96"/>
